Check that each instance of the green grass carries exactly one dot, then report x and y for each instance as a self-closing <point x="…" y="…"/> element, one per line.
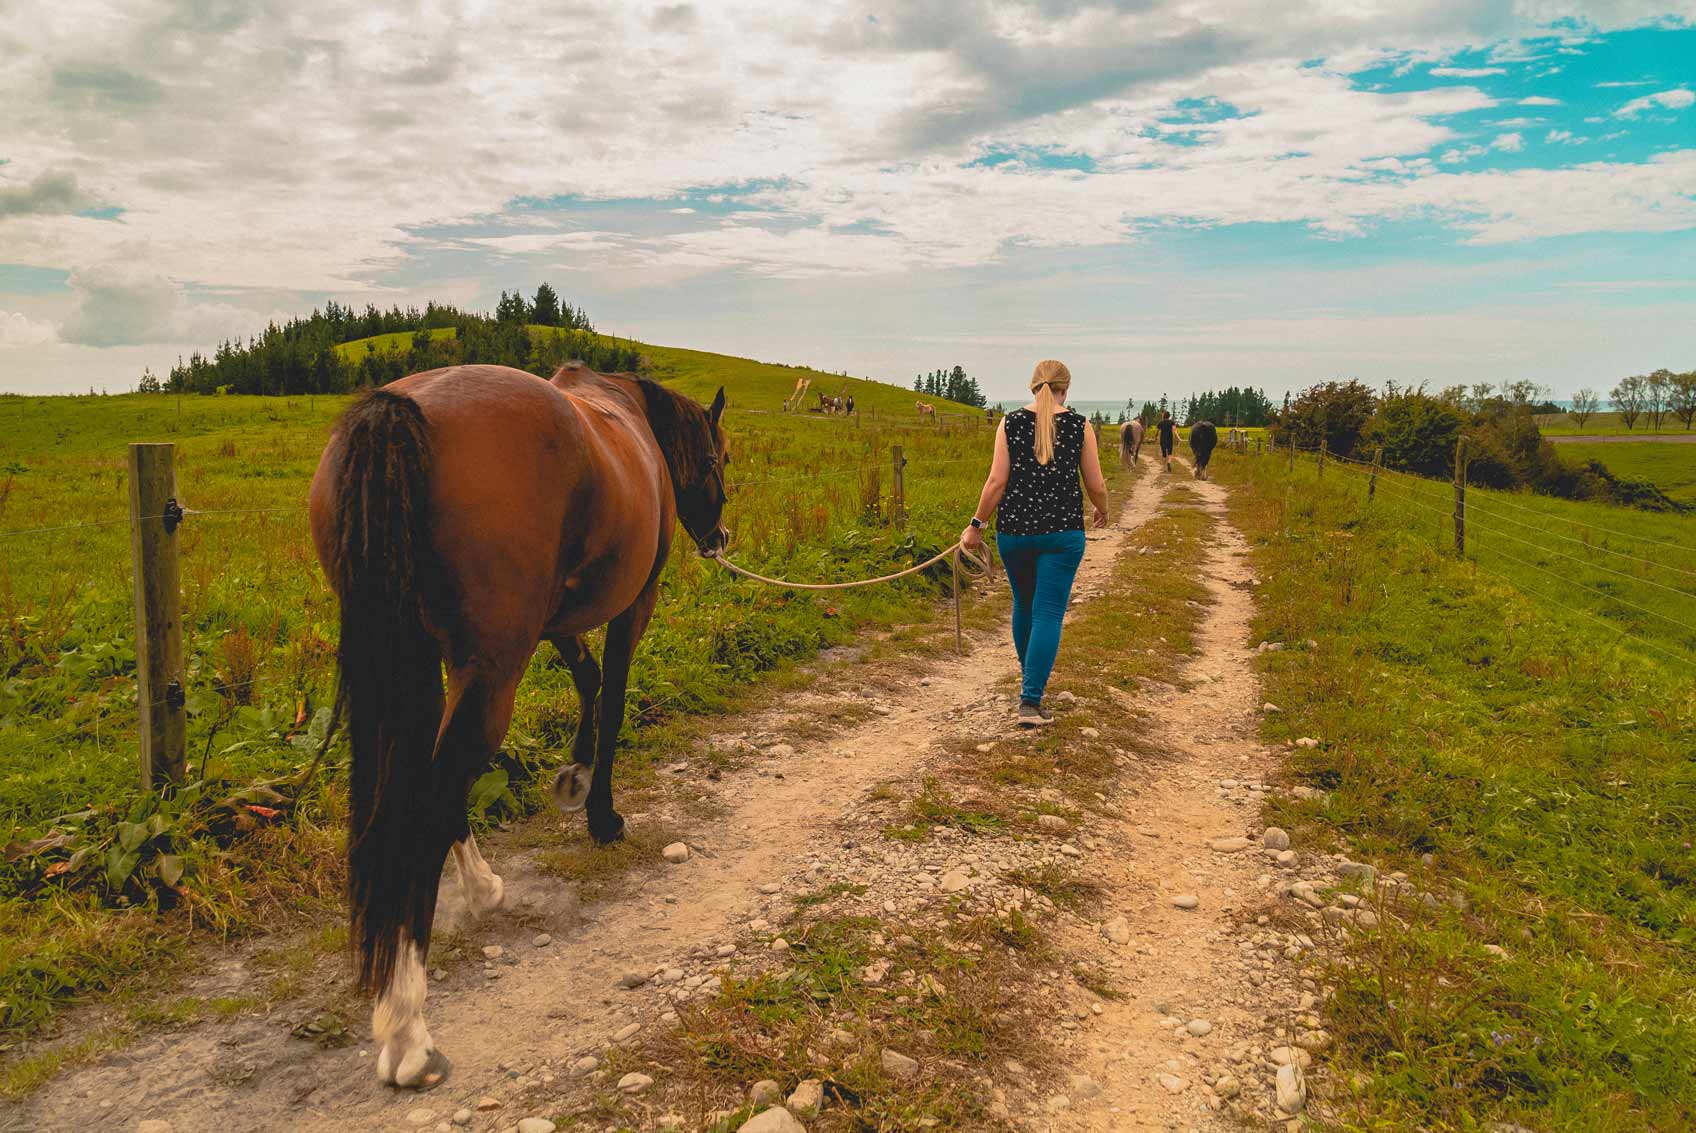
<point x="396" y="342"/>
<point x="1671" y="468"/>
<point x="812" y="502"/>
<point x="1603" y="425"/>
<point x="1540" y="758"/>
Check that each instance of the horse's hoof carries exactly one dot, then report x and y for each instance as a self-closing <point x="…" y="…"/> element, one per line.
<point x="415" y="1070"/>
<point x="606" y="829"/>
<point x="571" y="786"/>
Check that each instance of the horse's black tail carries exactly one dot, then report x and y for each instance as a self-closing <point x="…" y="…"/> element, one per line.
<point x="384" y="572"/>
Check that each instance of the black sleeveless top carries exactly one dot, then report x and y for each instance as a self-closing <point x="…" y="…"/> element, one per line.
<point x="1042" y="499"/>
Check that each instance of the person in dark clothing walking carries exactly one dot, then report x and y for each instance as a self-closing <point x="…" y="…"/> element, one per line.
<point x="1168" y="437"/>
<point x="1040" y="451"/>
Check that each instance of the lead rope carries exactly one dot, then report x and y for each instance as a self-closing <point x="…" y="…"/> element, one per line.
<point x="956" y="553"/>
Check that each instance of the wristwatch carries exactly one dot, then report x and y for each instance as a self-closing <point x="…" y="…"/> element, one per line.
<point x="977" y="523"/>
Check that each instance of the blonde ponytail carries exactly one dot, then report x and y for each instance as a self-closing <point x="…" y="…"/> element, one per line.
<point x="1048" y="377"/>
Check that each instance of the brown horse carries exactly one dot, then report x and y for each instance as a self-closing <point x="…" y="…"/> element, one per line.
<point x="1130" y="440"/>
<point x="926" y="409"/>
<point x="464" y="515"/>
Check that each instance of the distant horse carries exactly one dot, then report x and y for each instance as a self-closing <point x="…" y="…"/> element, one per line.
<point x="926" y="409"/>
<point x="1204" y="438"/>
<point x="828" y="404"/>
<point x="462" y="516"/>
<point x="1130" y="440"/>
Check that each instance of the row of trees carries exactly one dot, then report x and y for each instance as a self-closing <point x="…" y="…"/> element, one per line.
<point x="951" y="385"/>
<point x="301" y="355"/>
<point x="1646" y="397"/>
<point x="1417" y="431"/>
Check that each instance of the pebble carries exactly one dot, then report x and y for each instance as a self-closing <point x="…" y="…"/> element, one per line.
<point x="1357" y="870"/>
<point x="770" y="888"/>
<point x="541" y="940"/>
<point x="462" y="1117"/>
<point x="1199" y="1027"/>
<point x="1083" y="1087"/>
<point x="493" y="952"/>
<point x="1174" y="1083"/>
<point x="1226" y="1086"/>
<point x="535" y="1125"/>
<point x="1288" y="1055"/>
<point x="899" y="1065"/>
<point x="1118" y="930"/>
<point x="1228" y="845"/>
<point x="628" y="1031"/>
<point x="420" y="1116"/>
<point x="676" y="853"/>
<point x="488" y="1103"/>
<point x="1291" y="1090"/>
<point x="1067" y="697"/>
<point x="1185" y="901"/>
<point x="632" y="1083"/>
<point x="806" y="1099"/>
<point x="764" y="1092"/>
<point x="633" y="979"/>
<point x="779" y="945"/>
<point x="772" y="1121"/>
<point x="1270" y="707"/>
<point x="1053" y="823"/>
<point x="153" y="1125"/>
<point x="1286" y="858"/>
<point x="1276" y="838"/>
<point x="1307" y="741"/>
<point x="954" y="880"/>
<point x="725" y="950"/>
<point x="588" y="1064"/>
<point x="1090" y="733"/>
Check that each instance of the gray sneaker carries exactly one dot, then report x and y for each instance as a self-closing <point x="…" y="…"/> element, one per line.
<point x="1034" y="715"/>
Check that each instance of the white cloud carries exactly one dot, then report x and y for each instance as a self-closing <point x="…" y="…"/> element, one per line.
<point x="1508" y="143"/>
<point x="1539" y="100"/>
<point x="1466" y="72"/>
<point x="124" y="305"/>
<point x="1563" y="137"/>
<point x="18" y="329"/>
<point x="1680" y="98"/>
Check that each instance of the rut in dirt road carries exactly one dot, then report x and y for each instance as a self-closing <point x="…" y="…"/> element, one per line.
<point x="536" y="989"/>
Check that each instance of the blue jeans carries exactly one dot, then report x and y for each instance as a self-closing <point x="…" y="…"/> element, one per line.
<point x="1040" y="569"/>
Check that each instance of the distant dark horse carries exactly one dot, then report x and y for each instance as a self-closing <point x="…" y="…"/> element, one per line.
<point x="1130" y="440"/>
<point x="464" y="515"/>
<point x="1204" y="438"/>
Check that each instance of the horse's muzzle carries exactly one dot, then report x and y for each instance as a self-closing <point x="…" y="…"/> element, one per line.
<point x="714" y="544"/>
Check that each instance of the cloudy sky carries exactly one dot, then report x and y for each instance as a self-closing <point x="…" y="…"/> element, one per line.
<point x="1168" y="194"/>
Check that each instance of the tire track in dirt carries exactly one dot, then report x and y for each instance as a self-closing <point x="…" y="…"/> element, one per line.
<point x="546" y="1005"/>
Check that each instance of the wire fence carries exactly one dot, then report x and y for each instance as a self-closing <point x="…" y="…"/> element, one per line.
<point x="1487" y="538"/>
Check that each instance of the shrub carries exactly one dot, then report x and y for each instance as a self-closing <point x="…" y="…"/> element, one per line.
<point x="1333" y="412"/>
<point x="1417" y="431"/>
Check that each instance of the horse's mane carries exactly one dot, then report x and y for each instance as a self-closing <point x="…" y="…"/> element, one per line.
<point x="681" y="428"/>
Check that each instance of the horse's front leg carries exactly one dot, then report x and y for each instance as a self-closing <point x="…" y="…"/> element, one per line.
<point x="623" y="633"/>
<point x="571" y="785"/>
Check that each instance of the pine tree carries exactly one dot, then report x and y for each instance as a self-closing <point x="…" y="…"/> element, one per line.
<point x="545" y="310"/>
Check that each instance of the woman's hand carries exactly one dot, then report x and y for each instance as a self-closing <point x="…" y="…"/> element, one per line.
<point x="1099" y="519"/>
<point x="971" y="538"/>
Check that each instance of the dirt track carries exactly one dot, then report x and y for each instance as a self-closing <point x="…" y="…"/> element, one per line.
<point x="545" y="1006"/>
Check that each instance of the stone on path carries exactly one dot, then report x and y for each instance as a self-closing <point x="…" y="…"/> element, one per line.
<point x="1083" y="1087"/>
<point x="634" y="1083"/>
<point x="1270" y="707"/>
<point x="628" y="1031"/>
<point x="1185" y="901"/>
<point x="535" y="1125"/>
<point x="898" y="1065"/>
<point x="462" y="1117"/>
<point x="1358" y="871"/>
<point x="1291" y="1090"/>
<point x="541" y="940"/>
<point x="1174" y="1083"/>
<point x="777" y="1120"/>
<point x="1090" y="733"/>
<point x="806" y="1099"/>
<point x="632" y="979"/>
<point x="588" y="1064"/>
<point x="1228" y="845"/>
<point x="1276" y="838"/>
<point x="1307" y="741"/>
<point x="764" y="1092"/>
<point x="1199" y="1027"/>
<point x="493" y="952"/>
<point x="420" y="1116"/>
<point x="1118" y="930"/>
<point x="1053" y="823"/>
<point x="153" y="1125"/>
<point x="676" y="853"/>
<point x="1287" y="858"/>
<point x="954" y="880"/>
<point x="1226" y="1086"/>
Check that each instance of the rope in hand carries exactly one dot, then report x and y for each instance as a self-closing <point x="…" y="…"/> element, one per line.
<point x="956" y="553"/>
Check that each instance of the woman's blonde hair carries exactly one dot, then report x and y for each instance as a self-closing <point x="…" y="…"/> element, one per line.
<point x="1048" y="377"/>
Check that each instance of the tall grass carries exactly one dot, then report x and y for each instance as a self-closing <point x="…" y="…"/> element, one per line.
<point x="1537" y="753"/>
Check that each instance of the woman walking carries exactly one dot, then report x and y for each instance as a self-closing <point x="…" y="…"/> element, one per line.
<point x="1168" y="437"/>
<point x="1039" y="452"/>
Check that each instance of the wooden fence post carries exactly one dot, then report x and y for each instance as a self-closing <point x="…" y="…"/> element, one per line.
<point x="1377" y="463"/>
<point x="898" y="502"/>
<point x="1257" y="449"/>
<point x="1324" y="447"/>
<point x="1460" y="497"/>
<point x="154" y="516"/>
<point x="1292" y="454"/>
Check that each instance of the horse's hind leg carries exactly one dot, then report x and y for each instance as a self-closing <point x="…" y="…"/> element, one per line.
<point x="478" y="710"/>
<point x="571" y="785"/>
<point x="482" y="887"/>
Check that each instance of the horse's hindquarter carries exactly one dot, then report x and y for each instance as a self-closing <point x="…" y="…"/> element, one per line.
<point x="526" y="503"/>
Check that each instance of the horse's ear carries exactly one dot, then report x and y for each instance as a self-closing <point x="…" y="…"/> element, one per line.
<point x="717" y="409"/>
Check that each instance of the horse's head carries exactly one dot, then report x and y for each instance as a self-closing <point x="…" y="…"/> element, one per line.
<point x="695" y="451"/>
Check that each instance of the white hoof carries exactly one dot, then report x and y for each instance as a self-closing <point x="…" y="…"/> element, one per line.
<point x="494" y="892"/>
<point x="571" y="786"/>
